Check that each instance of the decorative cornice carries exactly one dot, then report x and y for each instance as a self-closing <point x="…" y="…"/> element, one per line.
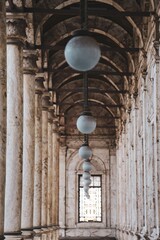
<point x="29" y="62"/>
<point x="16" y="31"/>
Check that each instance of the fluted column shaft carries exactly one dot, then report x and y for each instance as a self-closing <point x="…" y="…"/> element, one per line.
<point x="16" y="35"/>
<point x="45" y="105"/>
<point x="2" y="112"/>
<point x="39" y="88"/>
<point x="29" y="69"/>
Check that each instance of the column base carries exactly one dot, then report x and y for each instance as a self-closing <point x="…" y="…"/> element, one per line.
<point x="13" y="236"/>
<point x="45" y="232"/>
<point x="37" y="233"/>
<point x="27" y="234"/>
<point x="2" y="237"/>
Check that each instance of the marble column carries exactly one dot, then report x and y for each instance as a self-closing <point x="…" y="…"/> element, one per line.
<point x="144" y="229"/>
<point x="2" y="112"/>
<point x="55" y="173"/>
<point x="139" y="167"/>
<point x="50" y="169"/>
<point x="39" y="88"/>
<point x="16" y="36"/>
<point x="62" y="188"/>
<point x="29" y="70"/>
<point x="157" y="131"/>
<point x="134" y="173"/>
<point x="45" y="105"/>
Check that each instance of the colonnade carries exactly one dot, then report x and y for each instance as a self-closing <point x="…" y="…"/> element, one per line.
<point x="28" y="140"/>
<point x="138" y="204"/>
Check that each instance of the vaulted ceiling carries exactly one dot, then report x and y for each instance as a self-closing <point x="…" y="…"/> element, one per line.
<point x="120" y="28"/>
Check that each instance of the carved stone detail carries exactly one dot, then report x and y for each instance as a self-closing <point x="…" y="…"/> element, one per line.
<point x="29" y="62"/>
<point x="16" y="30"/>
<point x="39" y="86"/>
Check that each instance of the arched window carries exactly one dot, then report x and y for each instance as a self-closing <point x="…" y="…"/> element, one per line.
<point x="90" y="209"/>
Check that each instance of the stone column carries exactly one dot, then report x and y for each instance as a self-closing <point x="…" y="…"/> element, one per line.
<point x="144" y="229"/>
<point x="2" y="112"/>
<point x="157" y="132"/>
<point x="55" y="174"/>
<point x="45" y="105"/>
<point x="39" y="88"/>
<point x="29" y="70"/>
<point x="139" y="167"/>
<point x="134" y="173"/>
<point x="50" y="169"/>
<point x="62" y="188"/>
<point x="16" y="36"/>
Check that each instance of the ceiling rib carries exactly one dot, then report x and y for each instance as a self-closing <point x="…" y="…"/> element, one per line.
<point x="103" y="48"/>
<point x="99" y="72"/>
<point x="90" y="104"/>
<point x="76" y="90"/>
<point x="74" y="12"/>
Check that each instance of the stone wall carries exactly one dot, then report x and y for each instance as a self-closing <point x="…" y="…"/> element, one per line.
<point x="138" y="152"/>
<point x="103" y="163"/>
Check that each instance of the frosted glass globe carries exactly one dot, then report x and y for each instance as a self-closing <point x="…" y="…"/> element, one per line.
<point x="82" y="53"/>
<point x="85" y="152"/>
<point x="86" y="189"/>
<point x="86" y="124"/>
<point x="87" y="166"/>
<point x="87" y="195"/>
<point x="86" y="175"/>
<point x="87" y="182"/>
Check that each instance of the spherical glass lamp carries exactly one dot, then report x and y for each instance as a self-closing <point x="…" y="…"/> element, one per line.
<point x="86" y="123"/>
<point x="87" y="182"/>
<point x="86" y="175"/>
<point x="87" y="166"/>
<point x="86" y="189"/>
<point x="87" y="196"/>
<point x="82" y="52"/>
<point x="85" y="151"/>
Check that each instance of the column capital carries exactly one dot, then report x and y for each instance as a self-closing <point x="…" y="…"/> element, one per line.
<point x="16" y="31"/>
<point x="29" y="62"/>
<point x="45" y="101"/>
<point x="39" y="86"/>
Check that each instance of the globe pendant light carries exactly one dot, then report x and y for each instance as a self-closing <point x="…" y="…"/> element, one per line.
<point x="87" y="182"/>
<point x="87" y="166"/>
<point x="86" y="123"/>
<point x="86" y="175"/>
<point x="85" y="151"/>
<point x="82" y="52"/>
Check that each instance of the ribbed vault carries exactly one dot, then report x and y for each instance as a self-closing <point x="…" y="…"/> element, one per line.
<point x="120" y="29"/>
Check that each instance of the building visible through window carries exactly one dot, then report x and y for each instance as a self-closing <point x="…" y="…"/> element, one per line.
<point x="90" y="210"/>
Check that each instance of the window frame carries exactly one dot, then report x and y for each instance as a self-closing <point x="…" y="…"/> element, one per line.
<point x="101" y="188"/>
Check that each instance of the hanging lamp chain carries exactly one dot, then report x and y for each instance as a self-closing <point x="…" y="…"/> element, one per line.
<point x="84" y="14"/>
<point x="85" y="91"/>
<point x="86" y="138"/>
